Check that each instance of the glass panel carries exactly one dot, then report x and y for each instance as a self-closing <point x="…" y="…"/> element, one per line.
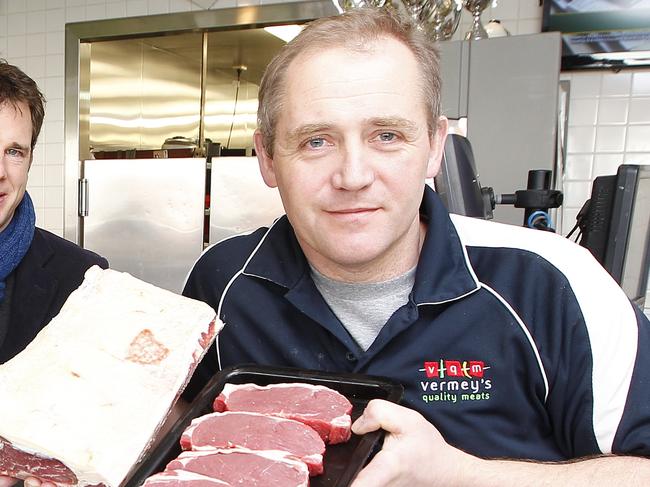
<point x="144" y="91"/>
<point x="235" y="64"/>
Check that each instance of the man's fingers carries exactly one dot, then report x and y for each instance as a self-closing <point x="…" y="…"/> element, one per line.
<point x="385" y="415"/>
<point x="34" y="482"/>
<point x="28" y="482"/>
<point x="383" y="470"/>
<point x="7" y="481"/>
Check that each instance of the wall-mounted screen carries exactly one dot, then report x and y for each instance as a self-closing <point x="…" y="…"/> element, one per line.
<point x="600" y="33"/>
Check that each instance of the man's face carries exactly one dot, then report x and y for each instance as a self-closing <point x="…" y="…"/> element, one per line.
<point x="15" y="158"/>
<point x="351" y="154"/>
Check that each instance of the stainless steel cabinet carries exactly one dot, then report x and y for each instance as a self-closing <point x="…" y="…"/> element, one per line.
<point x="240" y="200"/>
<point x="146" y="216"/>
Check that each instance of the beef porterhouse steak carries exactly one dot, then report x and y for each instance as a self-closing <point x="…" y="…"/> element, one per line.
<point x="245" y="467"/>
<point x="256" y="432"/>
<point x="322" y="408"/>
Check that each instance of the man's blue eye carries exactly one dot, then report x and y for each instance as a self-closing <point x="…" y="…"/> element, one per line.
<point x="316" y="142"/>
<point x="387" y="136"/>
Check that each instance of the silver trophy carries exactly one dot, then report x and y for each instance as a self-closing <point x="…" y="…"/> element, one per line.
<point x="417" y="9"/>
<point x="442" y="18"/>
<point x="438" y="18"/>
<point x="476" y="7"/>
<point x="345" y="5"/>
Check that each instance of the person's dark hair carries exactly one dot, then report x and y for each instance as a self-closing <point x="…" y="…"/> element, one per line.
<point x="352" y="30"/>
<point x="17" y="87"/>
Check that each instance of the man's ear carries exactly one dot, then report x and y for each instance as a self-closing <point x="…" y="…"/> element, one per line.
<point x="438" y="138"/>
<point x="265" y="161"/>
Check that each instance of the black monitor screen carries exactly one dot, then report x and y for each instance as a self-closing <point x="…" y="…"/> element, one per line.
<point x="632" y="258"/>
<point x="617" y="227"/>
<point x="600" y="33"/>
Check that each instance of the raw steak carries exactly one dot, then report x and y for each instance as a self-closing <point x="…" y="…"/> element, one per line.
<point x="245" y="467"/>
<point x="82" y="402"/>
<point x="182" y="478"/>
<point x="256" y="432"/>
<point x="320" y="407"/>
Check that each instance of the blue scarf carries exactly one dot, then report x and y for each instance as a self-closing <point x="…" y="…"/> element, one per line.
<point x="16" y="239"/>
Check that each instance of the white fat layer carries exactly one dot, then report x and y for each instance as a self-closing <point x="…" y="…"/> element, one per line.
<point x="344" y="421"/>
<point x="173" y="476"/>
<point x="274" y="455"/>
<point x="313" y="458"/>
<point x="75" y="397"/>
<point x="228" y="387"/>
<point x="277" y="419"/>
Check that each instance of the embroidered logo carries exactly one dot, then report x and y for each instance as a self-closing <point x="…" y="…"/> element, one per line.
<point x="455" y="380"/>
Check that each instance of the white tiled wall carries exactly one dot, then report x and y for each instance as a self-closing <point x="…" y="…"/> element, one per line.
<point x="609" y="124"/>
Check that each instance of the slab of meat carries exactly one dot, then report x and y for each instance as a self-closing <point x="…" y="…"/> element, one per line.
<point x="182" y="478"/>
<point x="17" y="463"/>
<point x="320" y="407"/>
<point x="245" y="467"/>
<point x="256" y="432"/>
<point x="81" y="404"/>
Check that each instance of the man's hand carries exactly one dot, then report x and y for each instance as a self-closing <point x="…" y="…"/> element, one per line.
<point x="416" y="455"/>
<point x="7" y="481"/>
<point x="29" y="482"/>
<point x="414" y="452"/>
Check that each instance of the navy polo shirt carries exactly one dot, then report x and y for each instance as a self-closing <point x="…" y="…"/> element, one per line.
<point x="514" y="342"/>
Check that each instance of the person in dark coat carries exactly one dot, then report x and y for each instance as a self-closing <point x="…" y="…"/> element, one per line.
<point x="38" y="270"/>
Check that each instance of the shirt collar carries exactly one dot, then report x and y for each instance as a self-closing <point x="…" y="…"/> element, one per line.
<point x="279" y="258"/>
<point x="443" y="273"/>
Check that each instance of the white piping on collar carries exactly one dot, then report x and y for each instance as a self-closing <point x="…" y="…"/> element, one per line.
<point x="234" y="277"/>
<point x="523" y="327"/>
<point x="187" y="276"/>
<point x="503" y="301"/>
<point x="468" y="264"/>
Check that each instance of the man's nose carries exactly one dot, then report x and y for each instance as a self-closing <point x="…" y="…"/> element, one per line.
<point x="355" y="170"/>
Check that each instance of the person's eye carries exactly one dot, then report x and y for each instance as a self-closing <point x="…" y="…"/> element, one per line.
<point x="316" y="143"/>
<point x="15" y="153"/>
<point x="387" y="137"/>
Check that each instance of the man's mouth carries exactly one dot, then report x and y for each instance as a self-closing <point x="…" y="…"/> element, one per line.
<point x="353" y="210"/>
<point x="352" y="213"/>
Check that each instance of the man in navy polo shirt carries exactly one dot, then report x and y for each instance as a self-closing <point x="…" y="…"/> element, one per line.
<point x="511" y="343"/>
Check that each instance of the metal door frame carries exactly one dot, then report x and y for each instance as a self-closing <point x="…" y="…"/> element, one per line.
<point x="79" y="35"/>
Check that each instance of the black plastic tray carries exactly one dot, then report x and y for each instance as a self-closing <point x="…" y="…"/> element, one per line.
<point x="341" y="462"/>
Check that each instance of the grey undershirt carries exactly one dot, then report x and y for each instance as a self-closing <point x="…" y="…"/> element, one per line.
<point x="364" y="308"/>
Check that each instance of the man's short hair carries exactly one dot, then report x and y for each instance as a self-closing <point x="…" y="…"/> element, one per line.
<point x="17" y="87"/>
<point x="352" y="30"/>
